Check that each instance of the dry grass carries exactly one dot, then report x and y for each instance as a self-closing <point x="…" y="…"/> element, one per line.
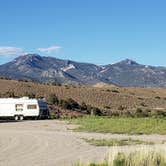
<point x="109" y="97"/>
<point x="143" y="157"/>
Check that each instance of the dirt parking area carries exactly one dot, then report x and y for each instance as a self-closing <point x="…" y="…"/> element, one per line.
<point x="52" y="143"/>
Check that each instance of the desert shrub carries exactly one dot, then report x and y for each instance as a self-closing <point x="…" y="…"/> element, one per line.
<point x="89" y="109"/>
<point x="161" y="113"/>
<point x="52" y="115"/>
<point x="55" y="84"/>
<point x="115" y="91"/>
<point x="97" y="111"/>
<point x="140" y="98"/>
<point x="83" y="106"/>
<point x="63" y="104"/>
<point x="72" y="103"/>
<point x="115" y="113"/>
<point x="52" y="99"/>
<point x="5" y="78"/>
<point x="69" y="104"/>
<point x="139" y="112"/>
<point x="94" y="110"/>
<point x="22" y="80"/>
<point x="107" y="107"/>
<point x="67" y="86"/>
<point x="30" y="95"/>
<point x="155" y="113"/>
<point x="143" y="104"/>
<point x="9" y="94"/>
<point x="157" y="97"/>
<point x="142" y="113"/>
<point x="129" y="113"/>
<point x="149" y="112"/>
<point x="121" y="107"/>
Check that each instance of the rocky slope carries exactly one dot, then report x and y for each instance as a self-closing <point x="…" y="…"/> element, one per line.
<point x="49" y="69"/>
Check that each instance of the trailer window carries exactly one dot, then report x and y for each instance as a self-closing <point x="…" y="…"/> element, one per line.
<point x="19" y="107"/>
<point x="32" y="107"/>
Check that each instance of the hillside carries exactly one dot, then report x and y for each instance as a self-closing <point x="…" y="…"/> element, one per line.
<point x="110" y="98"/>
<point x="126" y="73"/>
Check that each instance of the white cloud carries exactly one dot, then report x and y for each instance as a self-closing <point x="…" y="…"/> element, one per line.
<point x="49" y="49"/>
<point x="7" y="50"/>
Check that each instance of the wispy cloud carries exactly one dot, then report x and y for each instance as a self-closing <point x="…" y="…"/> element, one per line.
<point x="7" y="50"/>
<point x="50" y="49"/>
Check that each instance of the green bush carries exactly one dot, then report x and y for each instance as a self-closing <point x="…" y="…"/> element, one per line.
<point x="63" y="104"/>
<point x="72" y="103"/>
<point x="53" y="99"/>
<point x="69" y="104"/>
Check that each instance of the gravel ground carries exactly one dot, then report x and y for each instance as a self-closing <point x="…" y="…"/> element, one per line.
<point x="52" y="143"/>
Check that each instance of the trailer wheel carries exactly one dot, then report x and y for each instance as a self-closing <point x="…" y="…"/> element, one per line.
<point x="21" y="117"/>
<point x="16" y="117"/>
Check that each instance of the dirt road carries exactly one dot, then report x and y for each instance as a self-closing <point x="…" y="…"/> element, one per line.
<point x="51" y="143"/>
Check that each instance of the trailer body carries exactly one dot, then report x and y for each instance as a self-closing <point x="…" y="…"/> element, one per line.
<point x="20" y="108"/>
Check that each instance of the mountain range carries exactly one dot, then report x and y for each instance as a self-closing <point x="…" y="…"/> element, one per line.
<point x="48" y="69"/>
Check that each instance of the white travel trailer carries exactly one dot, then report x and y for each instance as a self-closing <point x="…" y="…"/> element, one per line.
<point x="20" y="108"/>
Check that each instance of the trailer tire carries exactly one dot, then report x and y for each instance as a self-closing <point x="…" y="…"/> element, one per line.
<point x="16" y="117"/>
<point x="21" y="117"/>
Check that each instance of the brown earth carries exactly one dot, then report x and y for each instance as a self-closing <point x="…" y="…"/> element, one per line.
<point x="110" y="97"/>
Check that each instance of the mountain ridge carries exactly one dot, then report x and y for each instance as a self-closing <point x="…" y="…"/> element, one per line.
<point x="49" y="69"/>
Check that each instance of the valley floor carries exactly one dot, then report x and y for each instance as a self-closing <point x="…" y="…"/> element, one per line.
<point x="53" y="143"/>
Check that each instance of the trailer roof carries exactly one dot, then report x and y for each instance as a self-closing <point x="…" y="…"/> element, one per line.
<point x="18" y="100"/>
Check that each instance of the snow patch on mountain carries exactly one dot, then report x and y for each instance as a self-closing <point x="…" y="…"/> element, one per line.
<point x="69" y="67"/>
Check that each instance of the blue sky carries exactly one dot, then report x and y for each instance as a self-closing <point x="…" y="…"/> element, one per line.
<point x="95" y="31"/>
